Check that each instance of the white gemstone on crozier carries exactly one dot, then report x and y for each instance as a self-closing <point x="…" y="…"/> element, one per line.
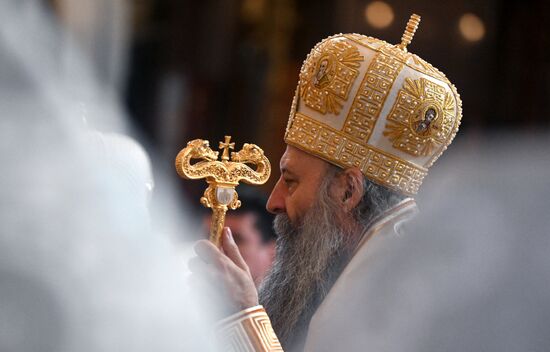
<point x="224" y="195"/>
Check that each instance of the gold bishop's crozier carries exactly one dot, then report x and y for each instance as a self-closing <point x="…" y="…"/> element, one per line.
<point x="222" y="176"/>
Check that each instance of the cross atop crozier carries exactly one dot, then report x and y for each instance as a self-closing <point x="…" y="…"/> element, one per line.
<point x="226" y="146"/>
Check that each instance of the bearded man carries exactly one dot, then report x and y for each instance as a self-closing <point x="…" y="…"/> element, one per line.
<point x="358" y="147"/>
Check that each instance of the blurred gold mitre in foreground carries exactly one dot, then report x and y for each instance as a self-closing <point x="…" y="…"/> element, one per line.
<point x="366" y="103"/>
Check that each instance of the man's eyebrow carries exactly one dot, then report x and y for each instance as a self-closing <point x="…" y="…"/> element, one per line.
<point x="286" y="171"/>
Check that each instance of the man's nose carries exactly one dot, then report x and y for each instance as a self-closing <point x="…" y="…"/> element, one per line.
<point x="276" y="202"/>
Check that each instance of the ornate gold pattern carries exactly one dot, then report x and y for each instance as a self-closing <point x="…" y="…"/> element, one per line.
<point x="409" y="59"/>
<point x="424" y="114"/>
<point x="455" y="129"/>
<point x="417" y="63"/>
<point x="249" y="330"/>
<point x="371" y="96"/>
<point x="328" y="74"/>
<point x="222" y="176"/>
<point x="293" y="108"/>
<point x="369" y="42"/>
<point x="408" y="35"/>
<point x="335" y="147"/>
<point x="422" y="117"/>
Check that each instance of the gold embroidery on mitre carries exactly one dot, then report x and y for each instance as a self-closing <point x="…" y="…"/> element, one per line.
<point x="328" y="74"/>
<point x="371" y="96"/>
<point x="422" y="117"/>
<point x="458" y="119"/>
<point x="336" y="147"/>
<point x="293" y="108"/>
<point x="409" y="59"/>
<point x="366" y="41"/>
<point x="419" y="64"/>
<point x="413" y="61"/>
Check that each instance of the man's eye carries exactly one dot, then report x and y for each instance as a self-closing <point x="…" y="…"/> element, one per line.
<point x="290" y="183"/>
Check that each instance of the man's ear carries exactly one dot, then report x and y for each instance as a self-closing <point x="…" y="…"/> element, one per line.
<point x="349" y="188"/>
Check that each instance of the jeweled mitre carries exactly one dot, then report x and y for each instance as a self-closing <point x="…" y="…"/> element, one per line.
<point x="363" y="102"/>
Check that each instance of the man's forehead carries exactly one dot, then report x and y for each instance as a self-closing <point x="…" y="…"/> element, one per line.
<point x="294" y="159"/>
<point x="290" y="157"/>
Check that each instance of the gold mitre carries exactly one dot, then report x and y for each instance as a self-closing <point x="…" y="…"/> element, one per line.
<point x="366" y="103"/>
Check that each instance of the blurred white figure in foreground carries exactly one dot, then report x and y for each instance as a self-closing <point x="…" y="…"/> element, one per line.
<point x="80" y="267"/>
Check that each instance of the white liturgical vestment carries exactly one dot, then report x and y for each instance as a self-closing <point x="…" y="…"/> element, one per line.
<point x="348" y="317"/>
<point x="352" y="315"/>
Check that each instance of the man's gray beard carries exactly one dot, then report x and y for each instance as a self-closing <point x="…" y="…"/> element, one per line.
<point x="309" y="259"/>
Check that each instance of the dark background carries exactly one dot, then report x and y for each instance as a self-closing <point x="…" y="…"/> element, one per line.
<point x="204" y="69"/>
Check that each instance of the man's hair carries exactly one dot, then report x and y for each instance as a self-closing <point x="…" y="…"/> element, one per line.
<point x="253" y="201"/>
<point x="376" y="199"/>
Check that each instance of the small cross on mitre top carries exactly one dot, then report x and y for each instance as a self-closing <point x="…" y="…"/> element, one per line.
<point x="226" y="146"/>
